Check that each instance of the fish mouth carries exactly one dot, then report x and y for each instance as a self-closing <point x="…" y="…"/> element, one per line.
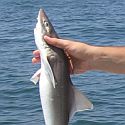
<point x="42" y="15"/>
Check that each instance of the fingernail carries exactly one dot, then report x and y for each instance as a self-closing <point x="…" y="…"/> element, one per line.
<point x="45" y="37"/>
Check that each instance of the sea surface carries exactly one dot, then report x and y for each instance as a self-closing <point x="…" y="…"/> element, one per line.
<point x="96" y="22"/>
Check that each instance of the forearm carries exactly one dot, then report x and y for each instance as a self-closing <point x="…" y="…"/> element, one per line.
<point x="110" y="59"/>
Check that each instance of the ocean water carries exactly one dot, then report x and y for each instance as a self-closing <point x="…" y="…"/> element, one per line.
<point x="96" y="22"/>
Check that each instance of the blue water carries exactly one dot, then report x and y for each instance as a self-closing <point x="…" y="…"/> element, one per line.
<point x="97" y="22"/>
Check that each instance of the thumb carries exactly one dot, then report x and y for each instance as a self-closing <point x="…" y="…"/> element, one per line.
<point x="60" y="43"/>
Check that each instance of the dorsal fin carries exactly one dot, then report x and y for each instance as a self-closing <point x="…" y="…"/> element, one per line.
<point x="78" y="101"/>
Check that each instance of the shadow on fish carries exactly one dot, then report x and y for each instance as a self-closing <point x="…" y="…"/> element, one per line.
<point x="59" y="98"/>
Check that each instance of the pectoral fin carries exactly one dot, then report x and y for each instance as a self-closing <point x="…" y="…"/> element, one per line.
<point x="79" y="101"/>
<point x="36" y="76"/>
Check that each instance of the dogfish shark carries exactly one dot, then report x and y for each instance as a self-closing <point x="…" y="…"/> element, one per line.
<point x="59" y="98"/>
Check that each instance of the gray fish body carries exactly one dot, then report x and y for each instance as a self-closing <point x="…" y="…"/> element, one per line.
<point x="59" y="99"/>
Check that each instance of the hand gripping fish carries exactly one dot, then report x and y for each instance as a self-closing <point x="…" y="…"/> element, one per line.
<point x="59" y="98"/>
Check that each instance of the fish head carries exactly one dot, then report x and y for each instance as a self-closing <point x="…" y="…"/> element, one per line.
<point x="46" y="26"/>
<point x="43" y="27"/>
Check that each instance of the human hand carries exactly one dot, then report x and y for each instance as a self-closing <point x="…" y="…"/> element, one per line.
<point x="80" y="54"/>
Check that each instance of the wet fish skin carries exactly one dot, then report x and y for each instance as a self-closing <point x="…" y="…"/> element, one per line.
<point x="59" y="98"/>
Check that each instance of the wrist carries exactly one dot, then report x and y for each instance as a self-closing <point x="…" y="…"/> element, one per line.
<point x="94" y="55"/>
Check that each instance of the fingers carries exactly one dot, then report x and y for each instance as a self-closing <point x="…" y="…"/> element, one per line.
<point x="70" y="66"/>
<point x="36" y="53"/>
<point x="57" y="42"/>
<point x="36" y="58"/>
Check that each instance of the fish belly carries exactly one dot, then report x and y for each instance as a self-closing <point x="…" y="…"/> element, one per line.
<point x="54" y="103"/>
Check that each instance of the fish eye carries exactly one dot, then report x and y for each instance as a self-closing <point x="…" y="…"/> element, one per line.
<point x="46" y="23"/>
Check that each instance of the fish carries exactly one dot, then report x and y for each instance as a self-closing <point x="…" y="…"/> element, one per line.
<point x="60" y="99"/>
